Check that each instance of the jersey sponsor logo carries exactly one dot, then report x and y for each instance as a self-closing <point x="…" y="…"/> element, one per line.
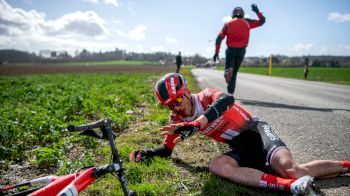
<point x="270" y="151"/>
<point x="229" y="134"/>
<point x="212" y="126"/>
<point x="172" y="85"/>
<point x="263" y="183"/>
<point x="208" y="92"/>
<point x="240" y="112"/>
<point x="272" y="185"/>
<point x="269" y="133"/>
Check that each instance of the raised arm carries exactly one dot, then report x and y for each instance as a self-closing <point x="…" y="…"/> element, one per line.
<point x="256" y="23"/>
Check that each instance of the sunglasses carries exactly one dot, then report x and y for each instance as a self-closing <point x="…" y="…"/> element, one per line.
<point x="177" y="102"/>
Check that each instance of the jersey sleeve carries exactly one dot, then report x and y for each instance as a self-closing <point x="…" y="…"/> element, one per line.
<point x="220" y="37"/>
<point x="222" y="103"/>
<point x="208" y="96"/>
<point x="256" y="23"/>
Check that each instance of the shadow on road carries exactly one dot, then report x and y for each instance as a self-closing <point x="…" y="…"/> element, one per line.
<point x="336" y="182"/>
<point x="286" y="106"/>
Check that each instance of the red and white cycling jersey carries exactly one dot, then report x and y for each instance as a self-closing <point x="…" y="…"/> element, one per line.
<point x="223" y="129"/>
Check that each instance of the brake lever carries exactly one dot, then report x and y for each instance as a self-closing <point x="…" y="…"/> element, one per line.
<point x="91" y="133"/>
<point x="104" y="136"/>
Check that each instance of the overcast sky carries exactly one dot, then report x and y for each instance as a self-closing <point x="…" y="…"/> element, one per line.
<point x="293" y="28"/>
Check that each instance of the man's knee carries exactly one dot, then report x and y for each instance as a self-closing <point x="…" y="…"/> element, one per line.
<point x="290" y="169"/>
<point x="282" y="162"/>
<point x="221" y="165"/>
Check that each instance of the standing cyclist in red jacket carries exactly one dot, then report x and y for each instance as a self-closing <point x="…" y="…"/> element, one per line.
<point x="254" y="144"/>
<point x="237" y="32"/>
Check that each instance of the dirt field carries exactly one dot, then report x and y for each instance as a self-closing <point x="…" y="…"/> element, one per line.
<point x="9" y="70"/>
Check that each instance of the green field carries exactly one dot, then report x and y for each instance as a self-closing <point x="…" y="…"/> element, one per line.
<point x="332" y="75"/>
<point x="107" y="63"/>
<point x="36" y="110"/>
<point x="118" y="62"/>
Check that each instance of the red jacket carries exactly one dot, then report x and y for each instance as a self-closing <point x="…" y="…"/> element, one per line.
<point x="237" y="31"/>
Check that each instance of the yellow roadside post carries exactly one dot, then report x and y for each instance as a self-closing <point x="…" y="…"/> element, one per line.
<point x="183" y="70"/>
<point x="270" y="65"/>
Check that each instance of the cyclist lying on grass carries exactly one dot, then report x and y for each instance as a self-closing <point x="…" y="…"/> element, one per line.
<point x="255" y="146"/>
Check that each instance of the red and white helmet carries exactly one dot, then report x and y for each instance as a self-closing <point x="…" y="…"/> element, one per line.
<point x="170" y="87"/>
<point x="238" y="12"/>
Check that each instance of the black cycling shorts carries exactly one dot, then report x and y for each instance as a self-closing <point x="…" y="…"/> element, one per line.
<point x="256" y="146"/>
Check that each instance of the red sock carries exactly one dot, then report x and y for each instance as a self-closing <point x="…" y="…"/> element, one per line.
<point x="274" y="182"/>
<point x="346" y="166"/>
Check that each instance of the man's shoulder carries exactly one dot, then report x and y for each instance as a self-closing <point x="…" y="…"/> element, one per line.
<point x="206" y="94"/>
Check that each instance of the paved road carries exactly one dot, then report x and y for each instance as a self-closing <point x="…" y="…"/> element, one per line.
<point x="312" y="118"/>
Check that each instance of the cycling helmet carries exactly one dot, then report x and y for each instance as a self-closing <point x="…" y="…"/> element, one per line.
<point x="238" y="12"/>
<point x="170" y="87"/>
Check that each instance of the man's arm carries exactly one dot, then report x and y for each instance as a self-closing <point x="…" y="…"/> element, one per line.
<point x="256" y="23"/>
<point x="219" y="39"/>
<point x="164" y="150"/>
<point x="146" y="153"/>
<point x="219" y="106"/>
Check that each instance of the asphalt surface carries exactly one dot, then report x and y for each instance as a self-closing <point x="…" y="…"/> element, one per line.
<point x="312" y="118"/>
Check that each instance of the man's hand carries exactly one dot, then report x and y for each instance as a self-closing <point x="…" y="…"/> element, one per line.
<point x="185" y="129"/>
<point x="216" y="56"/>
<point x="255" y="8"/>
<point x="141" y="155"/>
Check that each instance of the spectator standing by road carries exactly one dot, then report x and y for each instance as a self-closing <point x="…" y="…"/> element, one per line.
<point x="306" y="68"/>
<point x="237" y="31"/>
<point x="178" y="60"/>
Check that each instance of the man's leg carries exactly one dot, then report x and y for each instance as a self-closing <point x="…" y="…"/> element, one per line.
<point x="233" y="81"/>
<point x="244" y="164"/>
<point x="282" y="162"/>
<point x="228" y="168"/>
<point x="229" y="60"/>
<point x="177" y="68"/>
<point x="238" y="58"/>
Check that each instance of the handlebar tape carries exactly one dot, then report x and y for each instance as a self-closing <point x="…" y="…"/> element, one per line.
<point x="97" y="124"/>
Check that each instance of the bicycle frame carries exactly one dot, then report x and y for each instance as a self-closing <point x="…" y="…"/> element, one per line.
<point x="73" y="184"/>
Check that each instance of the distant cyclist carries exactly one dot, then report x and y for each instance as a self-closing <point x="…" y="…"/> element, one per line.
<point x="255" y="146"/>
<point x="237" y="32"/>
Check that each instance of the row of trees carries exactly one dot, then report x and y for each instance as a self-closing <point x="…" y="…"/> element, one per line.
<point x="312" y="61"/>
<point x="15" y="56"/>
<point x="47" y="56"/>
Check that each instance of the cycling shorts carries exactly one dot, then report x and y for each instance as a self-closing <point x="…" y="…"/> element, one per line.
<point x="256" y="146"/>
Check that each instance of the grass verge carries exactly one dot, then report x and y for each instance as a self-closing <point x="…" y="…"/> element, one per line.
<point x="36" y="109"/>
<point x="339" y="75"/>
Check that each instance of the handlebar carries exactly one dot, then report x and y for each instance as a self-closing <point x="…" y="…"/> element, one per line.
<point x="105" y="126"/>
<point x="97" y="124"/>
